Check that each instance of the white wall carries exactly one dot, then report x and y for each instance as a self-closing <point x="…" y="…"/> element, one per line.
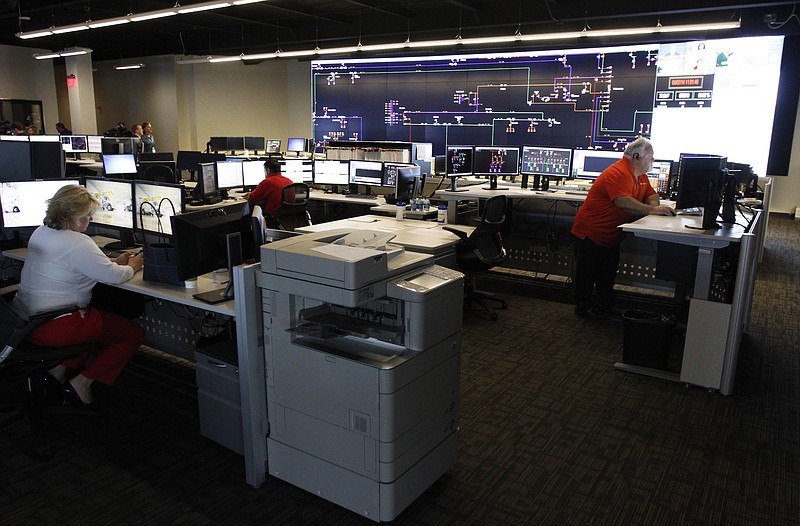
<point x="23" y="77"/>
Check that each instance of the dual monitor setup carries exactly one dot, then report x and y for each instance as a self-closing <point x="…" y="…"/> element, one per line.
<point x="205" y="240"/>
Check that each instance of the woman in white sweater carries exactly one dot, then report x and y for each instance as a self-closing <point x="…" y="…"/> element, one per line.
<point x="62" y="266"/>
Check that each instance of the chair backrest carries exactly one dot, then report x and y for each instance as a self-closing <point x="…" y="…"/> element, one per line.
<point x="10" y="323"/>
<point x="159" y="173"/>
<point x="293" y="212"/>
<point x="485" y="244"/>
<point x="259" y="226"/>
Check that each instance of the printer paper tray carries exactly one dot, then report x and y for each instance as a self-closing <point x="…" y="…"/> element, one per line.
<point x="365" y="350"/>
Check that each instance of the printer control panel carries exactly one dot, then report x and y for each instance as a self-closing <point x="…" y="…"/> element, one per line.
<point x="423" y="281"/>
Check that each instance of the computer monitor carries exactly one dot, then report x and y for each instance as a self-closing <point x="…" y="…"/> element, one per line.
<point x="296" y="144"/>
<point x="45" y="138"/>
<point x="254" y="143"/>
<point x="75" y="143"/>
<point x="47" y="160"/>
<point x="273" y="146"/>
<point x="252" y="173"/>
<point x="701" y="181"/>
<point x="235" y="143"/>
<point x="589" y="164"/>
<point x="200" y="238"/>
<point x="15" y="160"/>
<point x="661" y="172"/>
<point x="746" y="180"/>
<point x="206" y="190"/>
<point x="368" y="173"/>
<point x="25" y="202"/>
<point x="95" y="143"/>
<point x="298" y="170"/>
<point x="218" y="144"/>
<point x="333" y="172"/>
<point x="544" y="163"/>
<point x="119" y="164"/>
<point x="157" y="195"/>
<point x="229" y="174"/>
<point x="390" y="173"/>
<point x="119" y="145"/>
<point x="116" y="206"/>
<point x="407" y="183"/>
<point x="495" y="161"/>
<point x="155" y="157"/>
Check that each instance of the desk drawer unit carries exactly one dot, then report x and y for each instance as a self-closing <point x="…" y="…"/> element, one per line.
<point x="219" y="401"/>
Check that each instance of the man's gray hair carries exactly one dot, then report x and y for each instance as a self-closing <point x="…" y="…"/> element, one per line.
<point x="637" y="146"/>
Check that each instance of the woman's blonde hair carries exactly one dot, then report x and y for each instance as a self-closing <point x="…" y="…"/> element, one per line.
<point x="68" y="205"/>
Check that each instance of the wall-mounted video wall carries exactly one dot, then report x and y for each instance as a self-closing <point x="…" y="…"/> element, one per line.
<point x="710" y="96"/>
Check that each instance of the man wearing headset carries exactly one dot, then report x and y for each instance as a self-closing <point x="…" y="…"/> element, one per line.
<point x="619" y="195"/>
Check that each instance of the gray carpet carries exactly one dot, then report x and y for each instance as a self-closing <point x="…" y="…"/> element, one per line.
<point x="550" y="433"/>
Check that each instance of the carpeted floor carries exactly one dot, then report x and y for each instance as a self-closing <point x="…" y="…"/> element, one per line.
<point x="550" y="433"/>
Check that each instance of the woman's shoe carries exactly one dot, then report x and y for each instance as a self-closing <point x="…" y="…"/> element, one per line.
<point x="73" y="398"/>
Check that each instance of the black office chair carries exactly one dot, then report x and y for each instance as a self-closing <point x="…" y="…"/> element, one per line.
<point x="293" y="212"/>
<point x="24" y="362"/>
<point x="482" y="250"/>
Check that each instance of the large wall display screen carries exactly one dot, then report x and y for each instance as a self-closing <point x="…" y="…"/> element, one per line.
<point x="715" y="96"/>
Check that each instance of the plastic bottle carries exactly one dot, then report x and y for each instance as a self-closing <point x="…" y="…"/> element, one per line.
<point x="400" y="210"/>
<point x="426" y="204"/>
<point x="441" y="214"/>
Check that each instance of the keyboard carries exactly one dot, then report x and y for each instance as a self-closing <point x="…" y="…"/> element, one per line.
<point x="691" y="211"/>
<point x="115" y="253"/>
<point x="362" y="196"/>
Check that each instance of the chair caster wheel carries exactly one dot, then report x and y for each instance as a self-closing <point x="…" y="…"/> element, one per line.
<point x="493" y="316"/>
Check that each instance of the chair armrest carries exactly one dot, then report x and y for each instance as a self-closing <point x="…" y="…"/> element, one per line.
<point x="463" y="236"/>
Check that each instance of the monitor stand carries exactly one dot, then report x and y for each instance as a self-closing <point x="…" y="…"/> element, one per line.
<point x="453" y="185"/>
<point x="126" y="240"/>
<point x="493" y="184"/>
<point x="234" y="246"/>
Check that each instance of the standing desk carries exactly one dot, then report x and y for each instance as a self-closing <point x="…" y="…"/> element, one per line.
<point x="328" y="201"/>
<point x="715" y="328"/>
<point x="246" y="309"/>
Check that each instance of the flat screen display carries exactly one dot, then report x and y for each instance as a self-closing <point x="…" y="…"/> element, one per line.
<point x="390" y="173"/>
<point x="369" y="173"/>
<point x="331" y="172"/>
<point x="25" y="202"/>
<point x="95" y="143"/>
<point x="296" y="144"/>
<point x="252" y="173"/>
<point x="254" y="143"/>
<point x="229" y="174"/>
<point x="539" y="160"/>
<point x="75" y="143"/>
<point x="119" y="164"/>
<point x="589" y="164"/>
<point x="116" y="201"/>
<point x="494" y="160"/>
<point x="458" y="160"/>
<point x="156" y="194"/>
<point x="298" y="170"/>
<point x="273" y="146"/>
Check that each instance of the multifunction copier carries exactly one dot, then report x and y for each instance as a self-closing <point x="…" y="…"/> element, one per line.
<point x="362" y="354"/>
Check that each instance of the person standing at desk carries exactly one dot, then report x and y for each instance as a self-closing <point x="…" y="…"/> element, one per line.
<point x="62" y="130"/>
<point x="620" y="194"/>
<point x="148" y="141"/>
<point x="62" y="266"/>
<point x="268" y="193"/>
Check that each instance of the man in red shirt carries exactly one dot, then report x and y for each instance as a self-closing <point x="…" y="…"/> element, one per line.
<point x="619" y="195"/>
<point x="268" y="192"/>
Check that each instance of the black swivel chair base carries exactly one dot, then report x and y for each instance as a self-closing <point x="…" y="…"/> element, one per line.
<point x="482" y="299"/>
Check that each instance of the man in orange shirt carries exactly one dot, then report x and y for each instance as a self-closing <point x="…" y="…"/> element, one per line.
<point x="268" y="193"/>
<point x="619" y="195"/>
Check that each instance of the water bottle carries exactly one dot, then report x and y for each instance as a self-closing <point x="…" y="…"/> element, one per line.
<point x="441" y="214"/>
<point x="426" y="204"/>
<point x="400" y="210"/>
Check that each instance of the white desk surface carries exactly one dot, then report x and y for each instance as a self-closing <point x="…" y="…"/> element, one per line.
<point x="411" y="234"/>
<point x="340" y="198"/>
<point x="173" y="293"/>
<point x="684" y="229"/>
<point x="512" y="191"/>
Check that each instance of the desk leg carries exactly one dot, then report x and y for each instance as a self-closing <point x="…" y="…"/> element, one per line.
<point x="252" y="381"/>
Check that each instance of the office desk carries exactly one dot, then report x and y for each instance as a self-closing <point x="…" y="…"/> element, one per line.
<point x="715" y="327"/>
<point x="391" y="210"/>
<point x="420" y="236"/>
<point x="246" y="310"/>
<point x="510" y="190"/>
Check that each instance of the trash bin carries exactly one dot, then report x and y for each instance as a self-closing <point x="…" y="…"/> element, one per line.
<point x="647" y="338"/>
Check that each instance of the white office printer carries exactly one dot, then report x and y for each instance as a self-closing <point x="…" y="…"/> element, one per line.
<point x="362" y="351"/>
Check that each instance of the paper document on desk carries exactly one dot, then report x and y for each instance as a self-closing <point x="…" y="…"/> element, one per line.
<point x="347" y="253"/>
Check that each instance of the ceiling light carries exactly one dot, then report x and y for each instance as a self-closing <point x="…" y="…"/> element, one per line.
<point x="121" y="67"/>
<point x="68" y="52"/>
<point x="204" y="7"/>
<point x="141" y="17"/>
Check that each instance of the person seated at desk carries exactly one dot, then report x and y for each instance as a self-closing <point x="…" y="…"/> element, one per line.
<point x="620" y="194"/>
<point x="62" y="266"/>
<point x="268" y="193"/>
